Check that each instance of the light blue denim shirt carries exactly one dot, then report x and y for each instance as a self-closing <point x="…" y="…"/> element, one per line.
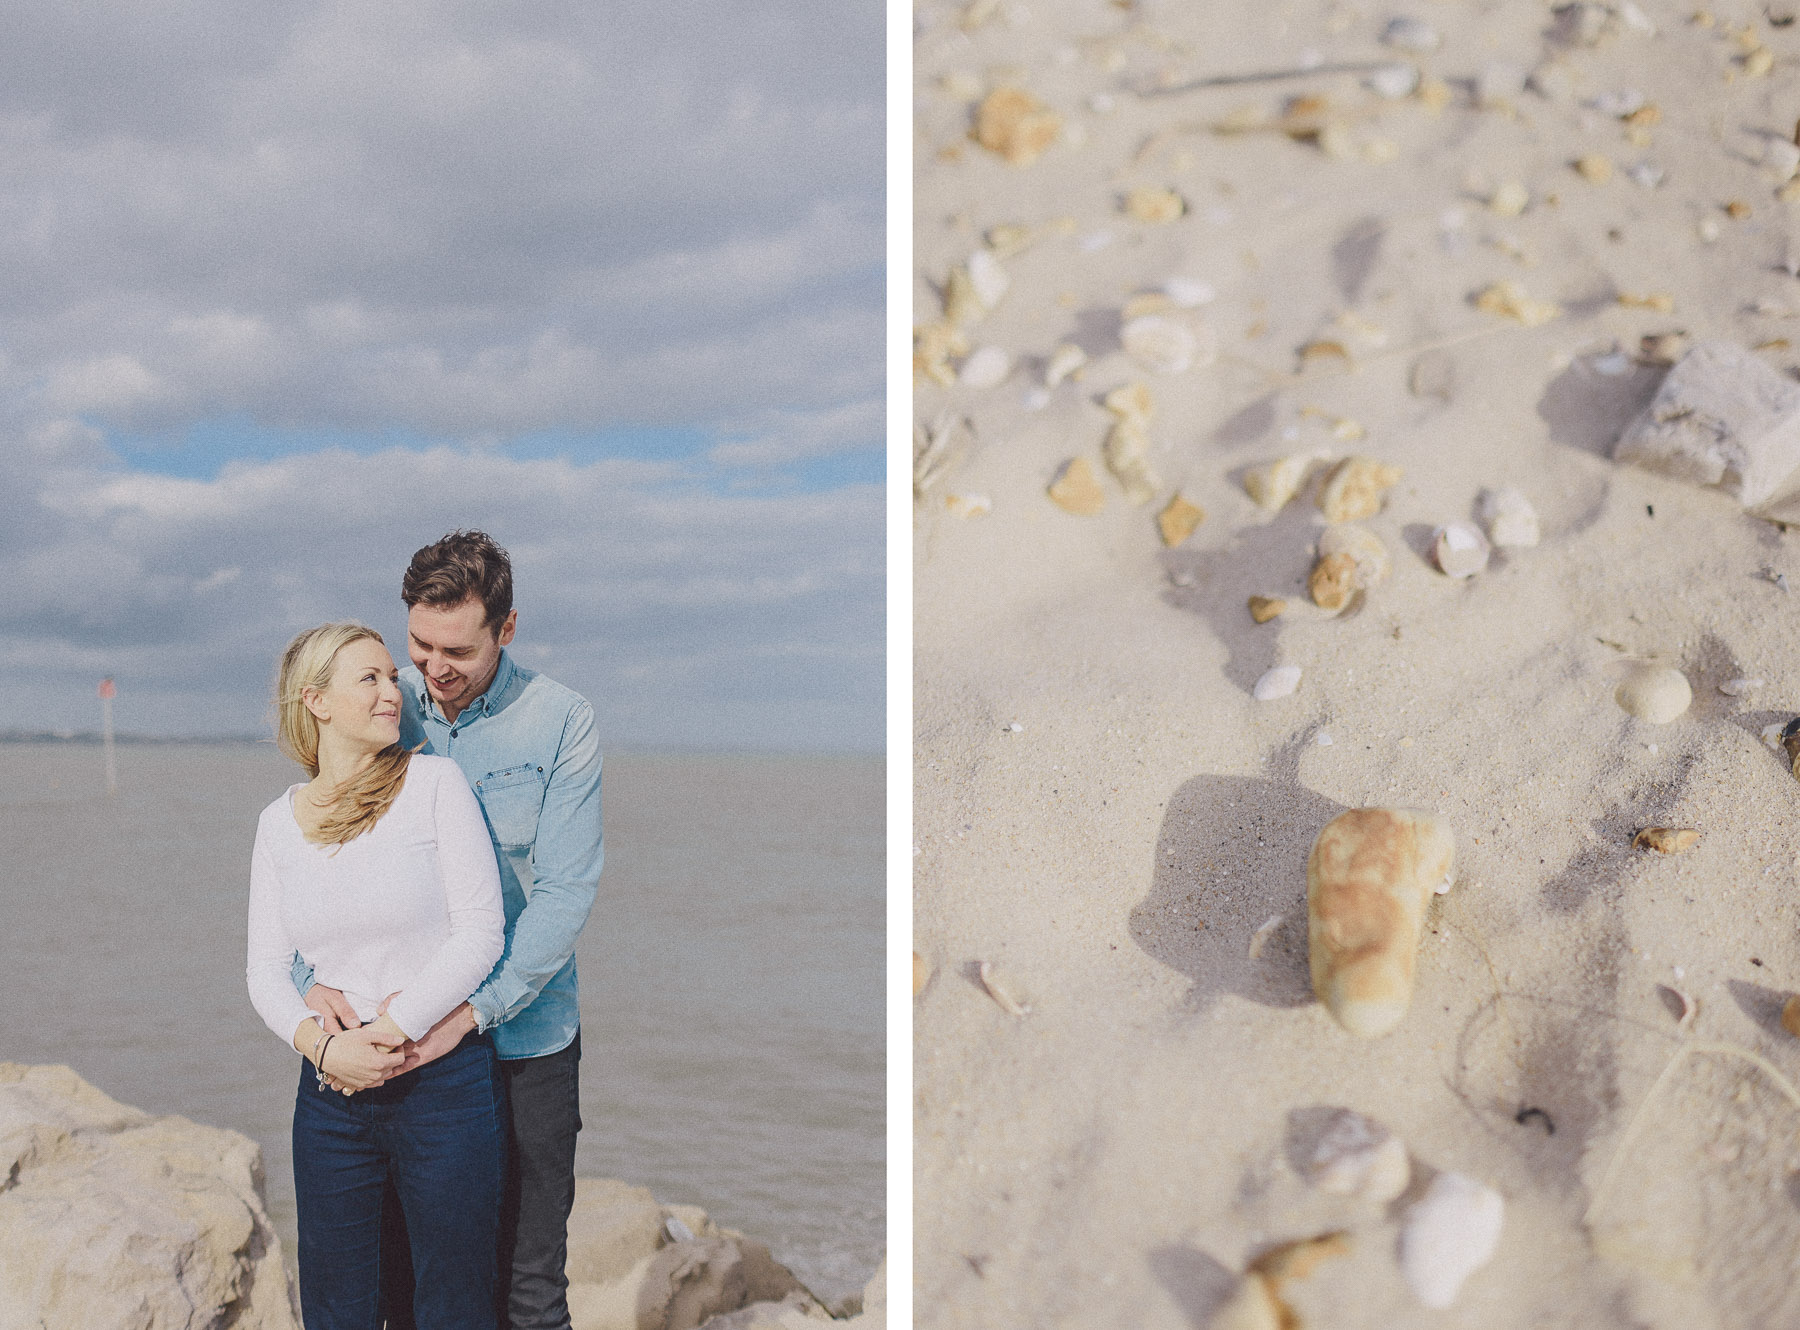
<point x="528" y="747"/>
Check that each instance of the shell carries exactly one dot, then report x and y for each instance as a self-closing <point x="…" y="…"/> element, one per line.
<point x="968" y="505"/>
<point x="1280" y="681"/>
<point x="1372" y="561"/>
<point x="1271" y="486"/>
<point x="987" y="278"/>
<point x="1368" y="879"/>
<point x="1128" y="458"/>
<point x="1076" y="490"/>
<point x="1782" y="156"/>
<point x="1510" y="519"/>
<point x="1167" y="345"/>
<point x="1260" y="938"/>
<point x="1790" y="1015"/>
<point x="1000" y="990"/>
<point x="1450" y="1232"/>
<point x="921" y="973"/>
<point x="1297" y="1259"/>
<point x="1357" y="1156"/>
<point x="986" y="368"/>
<point x="1510" y="199"/>
<point x="1332" y="581"/>
<point x="1013" y="123"/>
<point x="1264" y="608"/>
<point x="1654" y="693"/>
<point x="1148" y="204"/>
<point x="1353" y="489"/>
<point x="1666" y="840"/>
<point x="1509" y="300"/>
<point x="1394" y="81"/>
<point x="1459" y="549"/>
<point x="1064" y="361"/>
<point x="1790" y="743"/>
<point x="1411" y="34"/>
<point x="1131" y="401"/>
<point x="1681" y="1005"/>
<point x="1178" y="519"/>
<point x="1739" y="687"/>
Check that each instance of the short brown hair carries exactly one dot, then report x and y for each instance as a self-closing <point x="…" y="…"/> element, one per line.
<point x="461" y="565"/>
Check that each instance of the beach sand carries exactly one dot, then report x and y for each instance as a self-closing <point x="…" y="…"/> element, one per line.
<point x="1105" y="815"/>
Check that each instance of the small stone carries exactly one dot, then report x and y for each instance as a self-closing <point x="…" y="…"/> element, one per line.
<point x="1016" y="125"/>
<point x="1509" y="300"/>
<point x="1178" y="520"/>
<point x="988" y="278"/>
<point x="1782" y="156"/>
<point x="1127" y="452"/>
<point x="1739" y="687"/>
<point x="1790" y="1016"/>
<point x="1499" y="84"/>
<point x="1353" y="489"/>
<point x="1449" y="1233"/>
<point x="1280" y="681"/>
<point x="1264" y="608"/>
<point x="1459" y="549"/>
<point x="1737" y="210"/>
<point x="1273" y="485"/>
<point x="986" y="368"/>
<point x="1788" y="193"/>
<point x="1666" y="840"/>
<point x="1654" y="693"/>
<point x="1660" y="301"/>
<point x="1759" y="62"/>
<point x="1596" y="168"/>
<point x="1357" y="1156"/>
<point x="1067" y="359"/>
<point x="1510" y="199"/>
<point x="1147" y="204"/>
<point x="1252" y="1305"/>
<point x="960" y="85"/>
<point x="968" y="505"/>
<point x="1189" y="292"/>
<point x="1412" y="35"/>
<point x="1131" y="401"/>
<point x="1076" y="490"/>
<point x="921" y="973"/>
<point x="1145" y="302"/>
<point x="1510" y="519"/>
<point x="1708" y="229"/>
<point x="1434" y="94"/>
<point x="1363" y="546"/>
<point x="1394" y="81"/>
<point x="1167" y="345"/>
<point x="1332" y="582"/>
<point x="962" y="306"/>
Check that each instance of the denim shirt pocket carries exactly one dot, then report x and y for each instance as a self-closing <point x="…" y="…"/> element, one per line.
<point x="511" y="799"/>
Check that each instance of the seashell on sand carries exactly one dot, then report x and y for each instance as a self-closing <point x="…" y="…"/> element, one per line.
<point x="1131" y="401"/>
<point x="1509" y="300"/>
<point x="1666" y="840"/>
<point x="968" y="505"/>
<point x="1067" y="359"/>
<point x="987" y="278"/>
<point x="986" y="368"/>
<point x="1361" y="544"/>
<point x="1281" y="681"/>
<point x="1357" y="1156"/>
<point x="1013" y="123"/>
<point x="1790" y="1015"/>
<point x="1178" y="520"/>
<point x="1510" y="519"/>
<point x="1740" y="687"/>
<point x="1509" y="199"/>
<point x="1271" y="486"/>
<point x="1002" y="990"/>
<point x="1260" y="938"/>
<point x="1264" y="608"/>
<point x="1654" y="693"/>
<point x="1411" y="34"/>
<point x="1167" y="345"/>
<point x="1449" y="1233"/>
<point x="921" y="973"/>
<point x="1782" y="156"/>
<point x="1394" y="81"/>
<point x="1368" y="879"/>
<point x="1149" y="204"/>
<point x="1077" y="490"/>
<point x="1459" y="549"/>
<point x="1790" y="743"/>
<point x="1681" y="1004"/>
<point x="1256" y="1303"/>
<point x="1332" y="582"/>
<point x="1353" y="489"/>
<point x="1127" y="453"/>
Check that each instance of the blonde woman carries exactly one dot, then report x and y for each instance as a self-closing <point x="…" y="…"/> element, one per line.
<point x="379" y="872"/>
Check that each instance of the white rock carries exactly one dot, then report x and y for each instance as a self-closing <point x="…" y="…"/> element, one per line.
<point x="1646" y="175"/>
<point x="1782" y="156"/>
<point x="1394" y="81"/>
<point x="1739" y="687"/>
<point x="1708" y="229"/>
<point x="988" y="278"/>
<point x="1450" y="1232"/>
<point x="1167" y="345"/>
<point x="1189" y="292"/>
<point x="1510" y="519"/>
<point x="1654" y="693"/>
<point x="986" y="368"/>
<point x="1636" y="19"/>
<point x="1278" y="682"/>
<point x="1499" y="84"/>
<point x="1722" y="417"/>
<point x="1459" y="549"/>
<point x="1357" y="1156"/>
<point x="1064" y="361"/>
<point x="1411" y="34"/>
<point x="1510" y="198"/>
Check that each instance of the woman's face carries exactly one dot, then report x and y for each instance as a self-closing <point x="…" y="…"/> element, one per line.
<point x="361" y="703"/>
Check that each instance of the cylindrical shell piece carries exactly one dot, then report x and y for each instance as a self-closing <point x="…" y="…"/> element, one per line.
<point x="1656" y="693"/>
<point x="1368" y="879"/>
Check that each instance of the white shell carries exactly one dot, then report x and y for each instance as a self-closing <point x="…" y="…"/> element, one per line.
<point x="1508" y="516"/>
<point x="1782" y="157"/>
<point x="1357" y="1156"/>
<point x="1738" y="687"/>
<point x="1411" y="34"/>
<point x="1460" y="549"/>
<point x="1278" y="682"/>
<point x="1621" y="102"/>
<point x="1499" y="83"/>
<point x="1001" y="991"/>
<point x="1064" y="361"/>
<point x="1656" y="693"/>
<point x="987" y="368"/>
<point x="988" y="278"/>
<point x="1189" y="292"/>
<point x="1450" y="1233"/>
<point x="1394" y="81"/>
<point x="1165" y="345"/>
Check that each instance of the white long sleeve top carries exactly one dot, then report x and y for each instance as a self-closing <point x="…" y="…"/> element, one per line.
<point x="410" y="906"/>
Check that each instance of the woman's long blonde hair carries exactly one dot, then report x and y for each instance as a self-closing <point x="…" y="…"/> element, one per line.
<point x="357" y="805"/>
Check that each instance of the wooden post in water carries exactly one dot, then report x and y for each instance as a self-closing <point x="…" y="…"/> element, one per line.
<point x="108" y="690"/>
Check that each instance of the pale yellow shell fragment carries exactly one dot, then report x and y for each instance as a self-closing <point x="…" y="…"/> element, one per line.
<point x="1076" y="490"/>
<point x="1148" y="204"/>
<point x="1131" y="401"/>
<point x="1264" y="608"/>
<point x="1127" y="452"/>
<point x="1178" y="520"/>
<point x="1509" y="300"/>
<point x="1273" y="485"/>
<point x="1001" y="990"/>
<point x="1016" y="125"/>
<point x="1666" y="840"/>
<point x="1067" y="359"/>
<point x="1368" y="879"/>
<point x="921" y="973"/>
<point x="1353" y="489"/>
<point x="1594" y="167"/>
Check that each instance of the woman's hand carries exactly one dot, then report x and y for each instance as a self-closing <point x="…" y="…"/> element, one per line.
<point x="361" y="1059"/>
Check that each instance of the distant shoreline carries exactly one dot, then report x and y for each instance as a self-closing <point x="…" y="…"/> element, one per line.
<point x="92" y="738"/>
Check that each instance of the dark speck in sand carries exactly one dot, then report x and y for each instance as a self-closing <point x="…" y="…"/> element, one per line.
<point x="1756" y="960"/>
<point x="1525" y="1115"/>
<point x="1650" y="508"/>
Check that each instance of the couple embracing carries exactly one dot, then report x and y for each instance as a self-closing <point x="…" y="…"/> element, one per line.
<point x="414" y="909"/>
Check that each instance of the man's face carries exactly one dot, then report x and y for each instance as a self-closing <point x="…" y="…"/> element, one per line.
<point x="454" y="650"/>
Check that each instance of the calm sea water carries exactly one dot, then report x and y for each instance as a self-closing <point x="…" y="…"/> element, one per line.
<point x="732" y="1020"/>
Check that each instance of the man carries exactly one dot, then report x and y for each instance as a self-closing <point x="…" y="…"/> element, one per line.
<point x="527" y="746"/>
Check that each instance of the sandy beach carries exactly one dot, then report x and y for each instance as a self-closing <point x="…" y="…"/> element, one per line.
<point x="1106" y="816"/>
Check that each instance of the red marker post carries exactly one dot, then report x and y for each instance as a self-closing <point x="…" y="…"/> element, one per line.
<point x="108" y="691"/>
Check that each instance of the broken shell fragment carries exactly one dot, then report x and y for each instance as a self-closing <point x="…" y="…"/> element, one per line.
<point x="968" y="505"/>
<point x="986" y="368"/>
<point x="1148" y="204"/>
<point x="1790" y="1015"/>
<point x="1131" y="401"/>
<point x="1016" y="125"/>
<point x="1362" y="545"/>
<point x="1357" y="1156"/>
<point x="1297" y="1259"/>
<point x="1332" y="582"/>
<point x="1739" y="687"/>
<point x="1596" y="168"/>
<point x="1264" y="608"/>
<point x="1680" y="1003"/>
<point x="1076" y="490"/>
<point x="1260" y="938"/>
<point x="1064" y="361"/>
<point x="1127" y="452"/>
<point x="1167" y="345"/>
<point x="1510" y="199"/>
<point x="1450" y="1232"/>
<point x="1368" y="879"/>
<point x="987" y="278"/>
<point x="1178" y="520"/>
<point x="1278" y="682"/>
<point x="1790" y="743"/>
<point x="1666" y="840"/>
<point x="921" y="973"/>
<point x="1273" y="485"/>
<point x="1256" y="1303"/>
<point x="1252" y="1306"/>
<point x="1654" y="693"/>
<point x="1509" y="300"/>
<point x="1000" y="990"/>
<point x="1459" y="549"/>
<point x="1510" y="519"/>
<point x="1353" y="489"/>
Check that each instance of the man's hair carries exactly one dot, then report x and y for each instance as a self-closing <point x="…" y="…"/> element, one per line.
<point x="461" y="565"/>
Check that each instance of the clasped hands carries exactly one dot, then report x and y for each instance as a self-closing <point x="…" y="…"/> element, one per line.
<point x="364" y="1056"/>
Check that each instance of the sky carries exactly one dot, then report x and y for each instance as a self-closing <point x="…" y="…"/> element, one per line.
<point x="293" y="290"/>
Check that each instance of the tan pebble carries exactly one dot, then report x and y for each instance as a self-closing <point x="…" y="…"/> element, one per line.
<point x="1459" y="549"/>
<point x="921" y="973"/>
<point x="1759" y="62"/>
<point x="1314" y="351"/>
<point x="1596" y="168"/>
<point x="1016" y="125"/>
<point x="1435" y="93"/>
<point x="1654" y="693"/>
<point x="1660" y="301"/>
<point x="1737" y="210"/>
<point x="1003" y="991"/>
<point x="1790" y="1015"/>
<point x="1510" y="199"/>
<point x="1076" y="490"/>
<point x="1371" y="556"/>
<point x="1149" y="204"/>
<point x="1145" y="302"/>
<point x="1645" y="116"/>
<point x="1509" y="300"/>
<point x="1127" y="453"/>
<point x="1008" y="239"/>
<point x="1067" y="359"/>
<point x="1271" y="486"/>
<point x="968" y="505"/>
<point x="1264" y="608"/>
<point x="1353" y="489"/>
<point x="1368" y="879"/>
<point x="1662" y="348"/>
<point x="1131" y="401"/>
<point x="1332" y="581"/>
<point x="1178" y="519"/>
<point x="1666" y="840"/>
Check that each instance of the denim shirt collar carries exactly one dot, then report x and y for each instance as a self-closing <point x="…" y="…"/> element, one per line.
<point x="487" y="703"/>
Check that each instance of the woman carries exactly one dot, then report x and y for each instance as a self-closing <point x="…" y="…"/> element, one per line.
<point x="380" y="873"/>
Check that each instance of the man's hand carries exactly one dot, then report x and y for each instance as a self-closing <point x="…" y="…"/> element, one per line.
<point x="334" y="1009"/>
<point x="438" y="1040"/>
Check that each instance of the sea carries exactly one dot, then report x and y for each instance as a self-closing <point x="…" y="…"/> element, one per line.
<point x="731" y="972"/>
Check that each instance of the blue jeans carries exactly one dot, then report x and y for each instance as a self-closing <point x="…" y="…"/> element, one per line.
<point x="439" y="1134"/>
